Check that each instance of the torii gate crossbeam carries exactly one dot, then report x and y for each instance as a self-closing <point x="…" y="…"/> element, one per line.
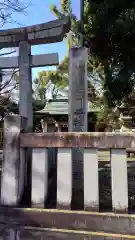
<point x="23" y="38"/>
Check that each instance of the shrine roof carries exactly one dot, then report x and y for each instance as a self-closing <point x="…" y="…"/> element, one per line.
<point x="60" y="106"/>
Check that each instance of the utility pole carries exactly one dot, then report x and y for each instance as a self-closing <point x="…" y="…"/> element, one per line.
<point x="82" y="22"/>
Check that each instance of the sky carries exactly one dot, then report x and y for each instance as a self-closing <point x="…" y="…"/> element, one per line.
<point x="38" y="12"/>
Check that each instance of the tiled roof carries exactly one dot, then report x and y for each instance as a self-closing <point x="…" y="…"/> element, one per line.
<point x="59" y="107"/>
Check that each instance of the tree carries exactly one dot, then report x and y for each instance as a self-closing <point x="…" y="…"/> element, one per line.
<point x="7" y="78"/>
<point x="9" y="81"/>
<point x="7" y="85"/>
<point x="110" y="36"/>
<point x="58" y="80"/>
<point x="64" y="81"/>
<point x="95" y="68"/>
<point x="73" y="36"/>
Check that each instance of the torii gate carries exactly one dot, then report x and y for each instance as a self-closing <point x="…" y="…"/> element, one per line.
<point x="53" y="31"/>
<point x="23" y="38"/>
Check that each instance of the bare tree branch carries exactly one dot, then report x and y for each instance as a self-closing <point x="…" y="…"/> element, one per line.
<point x="7" y="53"/>
<point x="10" y="79"/>
<point x="7" y="79"/>
<point x="8" y="85"/>
<point x="7" y="7"/>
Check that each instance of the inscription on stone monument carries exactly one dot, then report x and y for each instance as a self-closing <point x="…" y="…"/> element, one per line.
<point x="78" y="107"/>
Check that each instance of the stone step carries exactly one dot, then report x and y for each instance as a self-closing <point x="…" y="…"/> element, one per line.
<point x="58" y="234"/>
<point x="71" y="221"/>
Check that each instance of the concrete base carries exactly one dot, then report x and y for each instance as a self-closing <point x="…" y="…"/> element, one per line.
<point x="22" y="223"/>
<point x="57" y="234"/>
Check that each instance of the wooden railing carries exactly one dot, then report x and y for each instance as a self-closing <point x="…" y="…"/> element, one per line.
<point x="91" y="142"/>
<point x="17" y="143"/>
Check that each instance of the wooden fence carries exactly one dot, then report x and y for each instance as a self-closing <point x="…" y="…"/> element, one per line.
<point x="34" y="220"/>
<point x="91" y="142"/>
<point x="17" y="143"/>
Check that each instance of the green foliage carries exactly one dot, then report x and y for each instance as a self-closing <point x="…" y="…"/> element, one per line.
<point x="58" y="78"/>
<point x="73" y="36"/>
<point x="38" y="105"/>
<point x="110" y="36"/>
<point x="95" y="68"/>
<point x="109" y="33"/>
<point x="8" y="106"/>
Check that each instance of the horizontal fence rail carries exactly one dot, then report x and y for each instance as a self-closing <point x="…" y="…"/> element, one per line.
<point x="51" y="155"/>
<point x="82" y="140"/>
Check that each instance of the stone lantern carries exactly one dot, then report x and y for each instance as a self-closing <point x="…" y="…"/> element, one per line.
<point x="125" y="118"/>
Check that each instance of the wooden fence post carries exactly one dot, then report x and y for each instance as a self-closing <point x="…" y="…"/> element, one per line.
<point x="78" y="109"/>
<point x="119" y="179"/>
<point x="12" y="181"/>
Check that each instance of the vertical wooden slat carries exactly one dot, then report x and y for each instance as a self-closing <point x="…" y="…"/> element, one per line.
<point x="64" y="178"/>
<point x="39" y="176"/>
<point x="91" y="186"/>
<point x="12" y="182"/>
<point x="119" y="180"/>
<point x="52" y="171"/>
<point x="21" y="185"/>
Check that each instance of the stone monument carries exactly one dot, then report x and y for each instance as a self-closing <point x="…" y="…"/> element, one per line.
<point x="78" y="113"/>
